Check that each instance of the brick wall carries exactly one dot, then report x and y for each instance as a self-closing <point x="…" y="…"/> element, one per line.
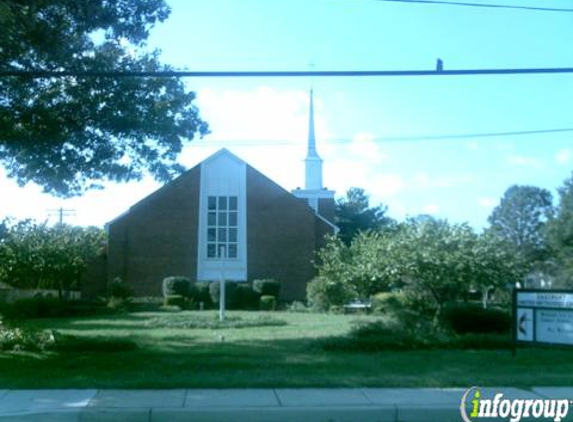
<point x="158" y="237"/>
<point x="280" y="237"/>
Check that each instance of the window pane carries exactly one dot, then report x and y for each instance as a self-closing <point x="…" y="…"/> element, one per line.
<point x="212" y="201"/>
<point x="232" y="219"/>
<point x="211" y="250"/>
<point x="222" y="219"/>
<point x="233" y="203"/>
<point x="232" y="235"/>
<point x="211" y="235"/>
<point x="222" y="235"/>
<point x="212" y="219"/>
<point x="222" y="250"/>
<point x="222" y="202"/>
<point x="232" y="251"/>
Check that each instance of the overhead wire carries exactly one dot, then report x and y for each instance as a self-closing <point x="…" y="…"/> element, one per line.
<point x="483" y="5"/>
<point x="37" y="74"/>
<point x="378" y="139"/>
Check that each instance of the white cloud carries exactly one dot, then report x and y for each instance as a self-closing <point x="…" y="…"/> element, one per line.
<point x="431" y="208"/>
<point x="487" y="202"/>
<point x="364" y="147"/>
<point x="425" y="181"/>
<point x="387" y="185"/>
<point x="564" y="156"/>
<point x="524" y="161"/>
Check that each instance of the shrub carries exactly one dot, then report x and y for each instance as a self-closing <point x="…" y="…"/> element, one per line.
<point x="336" y="309"/>
<point x="297" y="307"/>
<point x="49" y="307"/>
<point x="247" y="298"/>
<point x="323" y="293"/>
<point x="17" y="339"/>
<point x="176" y="285"/>
<point x="387" y="302"/>
<point x="267" y="287"/>
<point x="203" y="294"/>
<point x="230" y="293"/>
<point x="35" y="307"/>
<point x="119" y="290"/>
<point x="175" y="300"/>
<point x="470" y="318"/>
<point x="268" y="303"/>
<point x="391" y="335"/>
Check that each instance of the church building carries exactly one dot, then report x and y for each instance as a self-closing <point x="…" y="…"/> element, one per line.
<point x="223" y="218"/>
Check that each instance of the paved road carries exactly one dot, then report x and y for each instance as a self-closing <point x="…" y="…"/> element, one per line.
<point x="256" y="405"/>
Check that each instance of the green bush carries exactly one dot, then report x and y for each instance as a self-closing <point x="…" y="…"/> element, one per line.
<point x="202" y="294"/>
<point x="16" y="339"/>
<point x="119" y="290"/>
<point x="247" y="298"/>
<point x="391" y="335"/>
<point x="176" y="285"/>
<point x="387" y="302"/>
<point x="267" y="287"/>
<point x="323" y="293"/>
<point x="176" y="300"/>
<point x="268" y="303"/>
<point x="336" y="309"/>
<point x="297" y="306"/>
<point x="35" y="307"/>
<point x="472" y="318"/>
<point x="230" y="293"/>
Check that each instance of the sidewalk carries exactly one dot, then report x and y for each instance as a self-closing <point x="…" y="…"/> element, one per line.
<point x="285" y="405"/>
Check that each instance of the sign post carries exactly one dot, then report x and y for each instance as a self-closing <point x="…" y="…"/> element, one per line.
<point x="222" y="291"/>
<point x="543" y="317"/>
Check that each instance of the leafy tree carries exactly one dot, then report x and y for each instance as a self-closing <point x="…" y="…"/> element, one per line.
<point x="362" y="266"/>
<point x="354" y="214"/>
<point x="520" y="219"/>
<point x="494" y="266"/>
<point x="35" y="256"/>
<point x="63" y="133"/>
<point x="433" y="261"/>
<point x="560" y="232"/>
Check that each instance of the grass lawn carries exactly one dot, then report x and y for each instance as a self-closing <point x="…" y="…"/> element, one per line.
<point x="267" y="356"/>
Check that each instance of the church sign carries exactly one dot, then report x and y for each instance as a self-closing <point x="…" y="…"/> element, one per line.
<point x="543" y="317"/>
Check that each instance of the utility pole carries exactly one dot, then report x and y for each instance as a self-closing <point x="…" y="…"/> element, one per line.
<point x="61" y="213"/>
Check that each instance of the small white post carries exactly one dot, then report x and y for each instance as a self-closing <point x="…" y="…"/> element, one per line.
<point x="222" y="290"/>
<point x="222" y="299"/>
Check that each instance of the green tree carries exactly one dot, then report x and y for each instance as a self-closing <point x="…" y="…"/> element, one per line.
<point x="433" y="261"/>
<point x="65" y="133"/>
<point x="354" y="214"/>
<point x="494" y="266"/>
<point x="520" y="219"/>
<point x="560" y="233"/>
<point x="35" y="256"/>
<point x="361" y="267"/>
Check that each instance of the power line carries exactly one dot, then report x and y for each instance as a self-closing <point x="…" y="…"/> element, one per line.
<point x="259" y="143"/>
<point x="61" y="213"/>
<point x="486" y="5"/>
<point x="38" y="74"/>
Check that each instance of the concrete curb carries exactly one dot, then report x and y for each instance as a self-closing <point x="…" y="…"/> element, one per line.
<point x="256" y="405"/>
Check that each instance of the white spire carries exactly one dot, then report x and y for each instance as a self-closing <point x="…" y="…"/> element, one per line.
<point x="313" y="163"/>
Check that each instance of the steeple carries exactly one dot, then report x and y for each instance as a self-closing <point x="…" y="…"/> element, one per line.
<point x="312" y="163"/>
<point x="311" y="139"/>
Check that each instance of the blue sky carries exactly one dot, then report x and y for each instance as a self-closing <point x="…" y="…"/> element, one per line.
<point x="264" y="121"/>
